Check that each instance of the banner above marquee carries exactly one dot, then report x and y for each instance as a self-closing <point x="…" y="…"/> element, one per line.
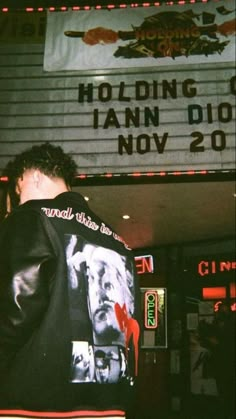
<point x="140" y="37"/>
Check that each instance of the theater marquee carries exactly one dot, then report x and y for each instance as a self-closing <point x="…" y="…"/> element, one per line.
<point x="135" y="99"/>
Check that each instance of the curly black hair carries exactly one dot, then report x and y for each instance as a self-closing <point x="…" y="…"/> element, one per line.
<point x="49" y="159"/>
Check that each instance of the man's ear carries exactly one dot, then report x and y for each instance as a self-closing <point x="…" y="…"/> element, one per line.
<point x="17" y="189"/>
<point x="37" y="177"/>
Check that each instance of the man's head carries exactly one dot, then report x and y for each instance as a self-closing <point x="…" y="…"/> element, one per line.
<point x="38" y="171"/>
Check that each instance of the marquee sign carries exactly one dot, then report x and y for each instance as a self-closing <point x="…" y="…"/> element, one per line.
<point x="172" y="117"/>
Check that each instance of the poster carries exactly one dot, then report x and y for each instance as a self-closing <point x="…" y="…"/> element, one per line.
<point x="140" y="37"/>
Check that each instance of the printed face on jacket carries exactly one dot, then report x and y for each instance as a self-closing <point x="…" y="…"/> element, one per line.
<point x="108" y="279"/>
<point x="101" y="287"/>
<point x="82" y="363"/>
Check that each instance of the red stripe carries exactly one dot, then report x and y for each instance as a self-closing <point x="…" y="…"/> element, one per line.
<point x="79" y="413"/>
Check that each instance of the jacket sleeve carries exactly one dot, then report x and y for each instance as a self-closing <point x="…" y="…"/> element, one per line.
<point x="27" y="263"/>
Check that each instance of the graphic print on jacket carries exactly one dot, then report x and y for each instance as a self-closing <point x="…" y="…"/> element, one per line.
<point x="101" y="299"/>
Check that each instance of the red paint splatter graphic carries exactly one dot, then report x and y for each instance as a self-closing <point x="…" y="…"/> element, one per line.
<point x="130" y="327"/>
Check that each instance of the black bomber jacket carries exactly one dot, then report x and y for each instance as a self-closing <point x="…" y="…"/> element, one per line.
<point x="69" y="333"/>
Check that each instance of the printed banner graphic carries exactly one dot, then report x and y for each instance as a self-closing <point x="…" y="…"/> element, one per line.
<point x="140" y="37"/>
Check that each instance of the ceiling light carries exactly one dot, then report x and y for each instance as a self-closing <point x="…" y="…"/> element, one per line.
<point x="126" y="217"/>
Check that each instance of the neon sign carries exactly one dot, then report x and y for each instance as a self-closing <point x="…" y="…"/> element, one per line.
<point x="214" y="267"/>
<point x="218" y="303"/>
<point x="151" y="309"/>
<point x="144" y="264"/>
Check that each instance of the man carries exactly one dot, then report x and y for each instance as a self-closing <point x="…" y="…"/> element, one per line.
<point x="45" y="303"/>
